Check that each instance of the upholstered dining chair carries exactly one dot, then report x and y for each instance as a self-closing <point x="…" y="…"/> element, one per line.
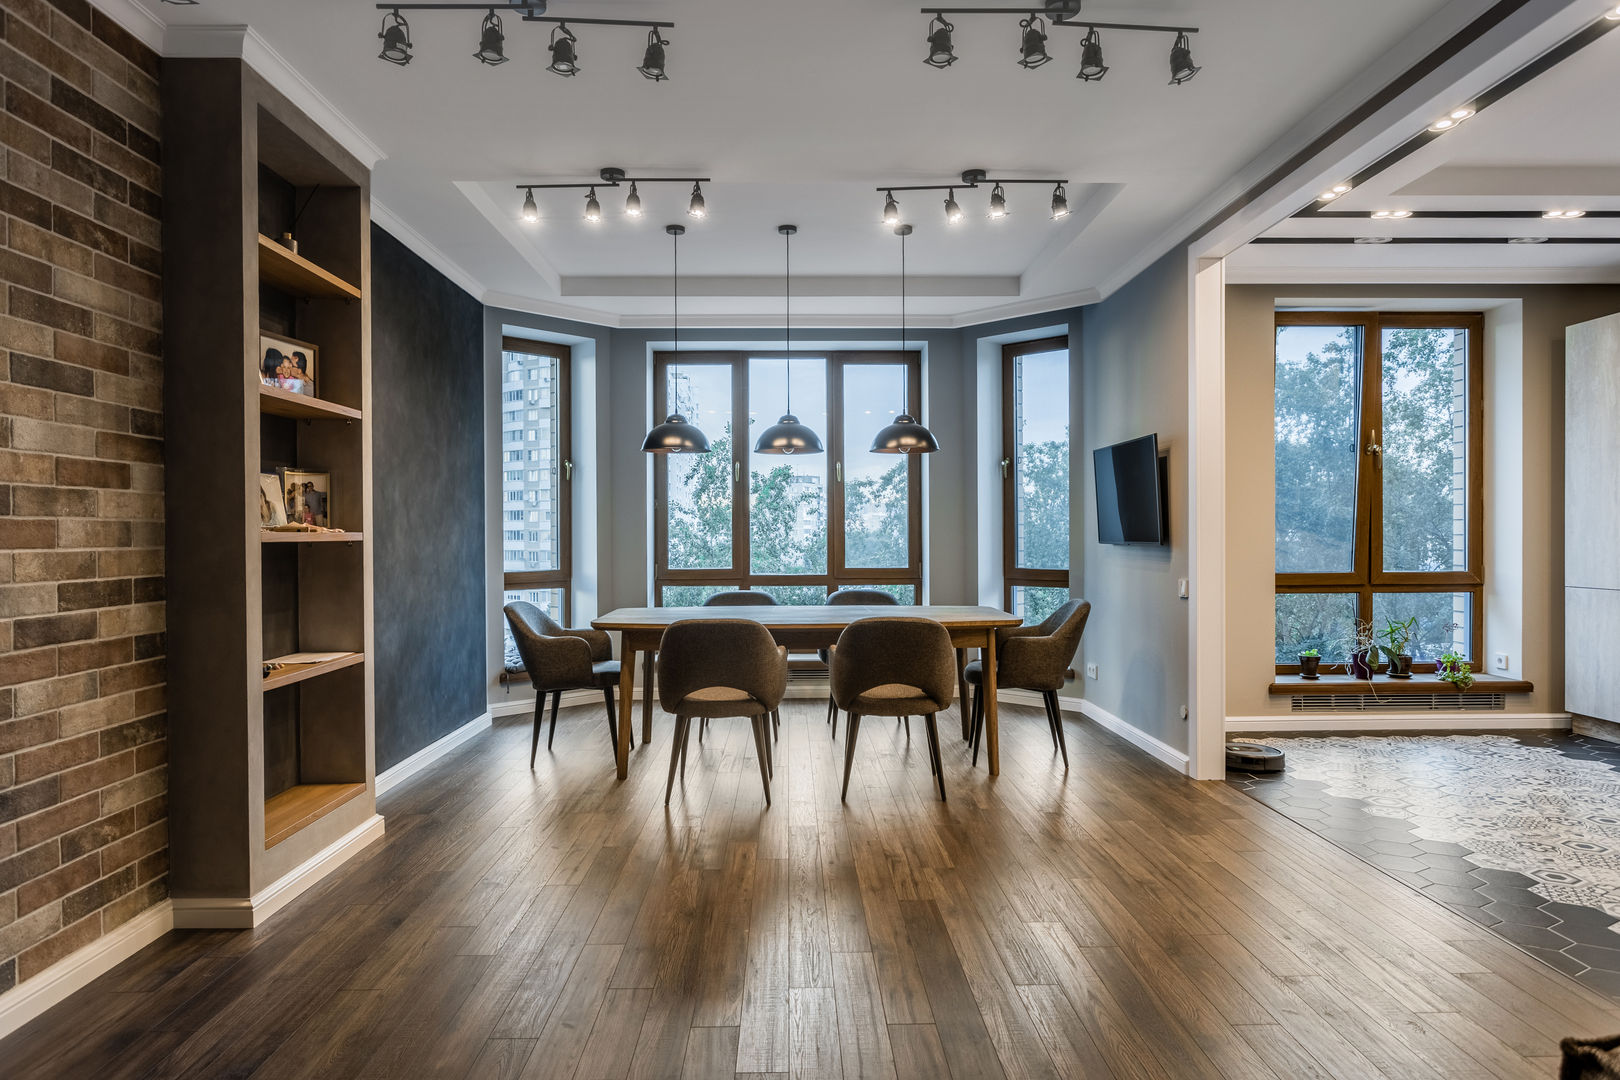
<point x="894" y="667"/>
<point x="1033" y="658"/>
<point x="743" y="598"/>
<point x="557" y="659"/>
<point x="851" y="596"/>
<point x="711" y="668"/>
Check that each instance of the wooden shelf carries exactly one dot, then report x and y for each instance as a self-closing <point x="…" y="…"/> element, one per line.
<point x="279" y="402"/>
<point x="1296" y="686"/>
<point x="297" y="275"/>
<point x="301" y="806"/>
<point x="295" y="673"/>
<point x="311" y="538"/>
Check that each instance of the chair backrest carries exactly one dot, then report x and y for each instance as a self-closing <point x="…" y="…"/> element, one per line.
<point x="903" y="651"/>
<point x="738" y="654"/>
<point x="1040" y="659"/>
<point x="868" y="597"/>
<point x="1066" y="625"/>
<point x="529" y="624"/>
<point x="741" y="598"/>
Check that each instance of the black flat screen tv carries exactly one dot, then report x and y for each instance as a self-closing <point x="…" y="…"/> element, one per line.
<point x="1130" y="492"/>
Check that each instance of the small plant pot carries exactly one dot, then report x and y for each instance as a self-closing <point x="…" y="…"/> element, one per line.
<point x="1308" y="666"/>
<point x="1361" y="665"/>
<point x="1400" y="667"/>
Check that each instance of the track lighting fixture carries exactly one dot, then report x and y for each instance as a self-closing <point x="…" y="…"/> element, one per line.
<point x="1528" y="240"/>
<point x="998" y="203"/>
<point x="1563" y="215"/>
<point x="891" y="211"/>
<point x="1373" y="239"/>
<point x="652" y="61"/>
<point x="593" y="209"/>
<point x="1391" y="215"/>
<point x="941" y="53"/>
<point x="531" y="211"/>
<point x="905" y="435"/>
<point x="611" y="177"/>
<point x="1032" y="42"/>
<point x="676" y="435"/>
<point x="564" y="56"/>
<point x="632" y="202"/>
<point x="1181" y="62"/>
<point x="788" y="436"/>
<point x="1060" y="203"/>
<point x="1092" y="67"/>
<point x="1452" y="119"/>
<point x="953" y="211"/>
<point x="1333" y="192"/>
<point x="697" y="207"/>
<point x="396" y="39"/>
<point x="491" y="41"/>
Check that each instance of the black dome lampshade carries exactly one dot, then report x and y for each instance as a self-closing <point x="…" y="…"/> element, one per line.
<point x="676" y="435"/>
<point x="906" y="435"/>
<point x="787" y="435"/>
<point x="491" y="41"/>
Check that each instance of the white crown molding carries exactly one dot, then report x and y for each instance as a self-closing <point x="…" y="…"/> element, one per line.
<point x="727" y="286"/>
<point x="79" y="969"/>
<point x="405" y="233"/>
<point x="135" y="18"/>
<point x="392" y="778"/>
<point x="245" y="43"/>
<point x="1422" y="275"/>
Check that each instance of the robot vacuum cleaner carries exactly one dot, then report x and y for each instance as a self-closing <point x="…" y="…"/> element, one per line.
<point x="1254" y="757"/>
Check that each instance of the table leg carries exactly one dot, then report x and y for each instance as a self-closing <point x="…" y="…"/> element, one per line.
<point x="646" y="697"/>
<point x="627" y="697"/>
<point x="962" y="692"/>
<point x="992" y="733"/>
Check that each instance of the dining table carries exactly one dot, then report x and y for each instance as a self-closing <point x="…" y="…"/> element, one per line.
<point x="801" y="627"/>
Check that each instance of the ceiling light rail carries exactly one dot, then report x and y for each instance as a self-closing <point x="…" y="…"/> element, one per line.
<point x="1032" y="37"/>
<point x="612" y="177"/>
<point x="971" y="179"/>
<point x="562" y="46"/>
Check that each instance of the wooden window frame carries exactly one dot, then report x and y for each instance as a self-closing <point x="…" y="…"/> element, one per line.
<point x="738" y="575"/>
<point x="1368" y="577"/>
<point x="1014" y="576"/>
<point x="562" y="576"/>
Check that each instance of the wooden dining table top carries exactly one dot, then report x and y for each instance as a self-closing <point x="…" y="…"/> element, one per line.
<point x="809" y="616"/>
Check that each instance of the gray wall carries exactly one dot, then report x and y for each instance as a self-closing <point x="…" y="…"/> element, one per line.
<point x="427" y="418"/>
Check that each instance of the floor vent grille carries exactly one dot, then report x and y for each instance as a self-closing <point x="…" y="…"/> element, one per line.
<point x="1400" y="702"/>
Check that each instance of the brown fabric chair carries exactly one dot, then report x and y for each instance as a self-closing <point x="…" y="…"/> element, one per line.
<point x="869" y="597"/>
<point x="720" y="667"/>
<point x="1033" y="658"/>
<point x="556" y="660"/>
<point x="741" y="598"/>
<point x="894" y="667"/>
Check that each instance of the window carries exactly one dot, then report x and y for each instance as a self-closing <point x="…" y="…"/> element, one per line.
<point x="800" y="526"/>
<point x="536" y="560"/>
<point x="1035" y="472"/>
<point x="1380" y="495"/>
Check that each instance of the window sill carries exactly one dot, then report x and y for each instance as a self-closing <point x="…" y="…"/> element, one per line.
<point x="1296" y="686"/>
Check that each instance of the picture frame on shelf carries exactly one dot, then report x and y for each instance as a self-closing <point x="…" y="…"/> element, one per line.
<point x="272" y="501"/>
<point x="308" y="497"/>
<point x="288" y="364"/>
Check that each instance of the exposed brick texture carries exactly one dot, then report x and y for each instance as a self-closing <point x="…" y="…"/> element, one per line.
<point x="83" y="826"/>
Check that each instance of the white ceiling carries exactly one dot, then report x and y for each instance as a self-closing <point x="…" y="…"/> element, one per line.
<point x="1554" y="144"/>
<point x="798" y="110"/>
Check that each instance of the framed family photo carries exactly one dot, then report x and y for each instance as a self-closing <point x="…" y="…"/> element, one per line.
<point x="288" y="363"/>
<point x="272" y="501"/>
<point x="307" y="497"/>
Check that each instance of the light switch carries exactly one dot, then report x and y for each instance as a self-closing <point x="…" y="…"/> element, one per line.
<point x="1181" y="588"/>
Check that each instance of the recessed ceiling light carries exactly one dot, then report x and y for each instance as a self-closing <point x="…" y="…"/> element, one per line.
<point x="1563" y="215"/>
<point x="1391" y="215"/>
<point x="1528" y="240"/>
<point x="1333" y="192"/>
<point x="1373" y="239"/>
<point x="1614" y="14"/>
<point x="1452" y="119"/>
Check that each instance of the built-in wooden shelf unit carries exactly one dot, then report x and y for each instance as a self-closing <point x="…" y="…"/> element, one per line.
<point x="294" y="673"/>
<point x="270" y="537"/>
<point x="278" y="402"/>
<point x="301" y="806"/>
<point x="297" y="276"/>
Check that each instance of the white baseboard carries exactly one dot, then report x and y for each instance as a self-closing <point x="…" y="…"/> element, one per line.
<point x="1155" y="748"/>
<point x="28" y="1000"/>
<point x="1420" y="721"/>
<point x="235" y="913"/>
<point x="430" y="753"/>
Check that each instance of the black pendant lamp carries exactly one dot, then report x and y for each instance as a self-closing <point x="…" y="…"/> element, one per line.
<point x="905" y="435"/>
<point x="491" y="41"/>
<point x="676" y="435"/>
<point x="787" y="435"/>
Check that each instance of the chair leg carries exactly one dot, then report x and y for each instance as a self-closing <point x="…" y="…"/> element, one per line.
<point x="776" y="723"/>
<point x="556" y="702"/>
<point x="761" y="749"/>
<point x="852" y="728"/>
<point x="770" y="752"/>
<point x="685" y="741"/>
<point x="933" y="752"/>
<point x="832" y="715"/>
<point x="675" y="754"/>
<point x="613" y="719"/>
<point x="1057" y="724"/>
<point x="539" y="719"/>
<point x="907" y="721"/>
<point x="978" y="722"/>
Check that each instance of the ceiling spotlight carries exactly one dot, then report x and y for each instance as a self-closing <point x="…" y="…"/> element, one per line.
<point x="491" y="41"/>
<point x="564" y="56"/>
<point x="1060" y="203"/>
<point x="1092" y="67"/>
<point x="632" y="204"/>
<point x="531" y="212"/>
<point x="891" y="210"/>
<point x="1613" y="14"/>
<point x="953" y="210"/>
<point x="1032" y="46"/>
<point x="1181" y="62"/>
<point x="697" y="207"/>
<point x="1391" y="215"/>
<point x="998" y="203"/>
<point x="1451" y="119"/>
<point x="593" y="209"/>
<point x="396" y="39"/>
<point x="1333" y="192"/>
<point x="941" y="53"/>
<point x="1563" y="215"/>
<point x="652" y="61"/>
<point x="1528" y="240"/>
<point x="1373" y="239"/>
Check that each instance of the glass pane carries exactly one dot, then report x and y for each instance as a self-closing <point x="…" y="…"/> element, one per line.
<point x="877" y="528"/>
<point x="1444" y="622"/>
<point x="699" y="489"/>
<point x="1425" y="441"/>
<point x="1041" y="436"/>
<point x="1034" y="604"/>
<point x="1321" y="621"/>
<point x="531" y="494"/>
<point x="690" y="595"/>
<point x="549" y="601"/>
<point x="1318" y="420"/>
<point x="787" y="494"/>
<point x="796" y="595"/>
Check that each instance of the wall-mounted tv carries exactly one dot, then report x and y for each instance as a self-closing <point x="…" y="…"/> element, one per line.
<point x="1130" y="493"/>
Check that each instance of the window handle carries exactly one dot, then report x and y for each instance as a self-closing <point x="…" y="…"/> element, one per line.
<point x="1006" y="464"/>
<point x="838" y="471"/>
<point x="736" y="472"/>
<point x="1373" y="449"/>
<point x="568" y="470"/>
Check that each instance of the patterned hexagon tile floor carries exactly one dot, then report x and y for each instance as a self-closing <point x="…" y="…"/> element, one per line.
<point x="1519" y="832"/>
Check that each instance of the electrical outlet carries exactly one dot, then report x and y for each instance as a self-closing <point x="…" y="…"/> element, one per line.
<point x="1501" y="662"/>
<point x="1091" y="671"/>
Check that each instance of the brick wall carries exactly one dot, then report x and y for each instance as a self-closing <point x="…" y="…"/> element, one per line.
<point x="83" y="843"/>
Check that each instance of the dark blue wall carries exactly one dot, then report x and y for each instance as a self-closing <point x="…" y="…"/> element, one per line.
<point x="428" y="520"/>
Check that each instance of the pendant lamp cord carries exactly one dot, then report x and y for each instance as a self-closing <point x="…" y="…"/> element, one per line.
<point x="905" y="365"/>
<point x="677" y="290"/>
<point x="788" y="329"/>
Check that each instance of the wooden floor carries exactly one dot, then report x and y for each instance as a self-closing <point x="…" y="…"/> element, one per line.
<point x="1114" y="921"/>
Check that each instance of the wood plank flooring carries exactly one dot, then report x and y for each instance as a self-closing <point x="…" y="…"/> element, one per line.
<point x="1112" y="921"/>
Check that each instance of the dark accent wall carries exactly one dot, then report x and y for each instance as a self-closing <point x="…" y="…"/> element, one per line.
<point x="429" y="518"/>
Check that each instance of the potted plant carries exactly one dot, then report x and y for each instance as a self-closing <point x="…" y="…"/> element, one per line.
<point x="1309" y="661"/>
<point x="1456" y="671"/>
<point x="1397" y="636"/>
<point x="1362" y="648"/>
